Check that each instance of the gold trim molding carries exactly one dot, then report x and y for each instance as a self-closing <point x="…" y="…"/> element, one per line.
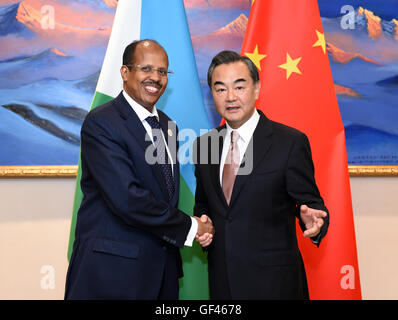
<point x="71" y="171"/>
<point x="363" y="171"/>
<point x="38" y="171"/>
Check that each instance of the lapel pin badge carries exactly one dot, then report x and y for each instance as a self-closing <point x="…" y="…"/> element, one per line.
<point x="169" y="132"/>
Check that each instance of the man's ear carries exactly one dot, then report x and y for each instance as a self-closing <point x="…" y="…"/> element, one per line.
<point x="257" y="89"/>
<point x="124" y="71"/>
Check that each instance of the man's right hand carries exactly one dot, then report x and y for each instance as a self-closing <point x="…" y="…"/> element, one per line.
<point x="204" y="225"/>
<point x="205" y="231"/>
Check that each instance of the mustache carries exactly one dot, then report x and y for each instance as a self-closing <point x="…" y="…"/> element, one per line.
<point x="157" y="84"/>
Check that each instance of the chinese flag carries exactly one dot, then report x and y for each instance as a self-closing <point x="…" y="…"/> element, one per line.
<point x="284" y="38"/>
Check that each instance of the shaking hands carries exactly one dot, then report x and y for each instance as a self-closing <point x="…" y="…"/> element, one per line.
<point x="205" y="231"/>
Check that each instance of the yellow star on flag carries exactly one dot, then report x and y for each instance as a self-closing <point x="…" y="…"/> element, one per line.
<point x="256" y="57"/>
<point x="321" y="41"/>
<point x="290" y="66"/>
<point x="253" y="1"/>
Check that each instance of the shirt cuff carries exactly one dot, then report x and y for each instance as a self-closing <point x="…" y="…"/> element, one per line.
<point x="192" y="233"/>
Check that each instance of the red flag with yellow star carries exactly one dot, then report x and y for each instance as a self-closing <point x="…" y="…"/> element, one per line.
<point x="284" y="38"/>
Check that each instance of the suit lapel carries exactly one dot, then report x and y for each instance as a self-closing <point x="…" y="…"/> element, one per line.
<point x="215" y="168"/>
<point x="258" y="147"/>
<point x="137" y="130"/>
<point x="133" y="123"/>
<point x="170" y="133"/>
<point x="169" y="129"/>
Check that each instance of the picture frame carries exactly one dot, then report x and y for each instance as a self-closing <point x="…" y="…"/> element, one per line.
<point x="71" y="171"/>
<point x="64" y="55"/>
<point x="374" y="170"/>
<point x="38" y="171"/>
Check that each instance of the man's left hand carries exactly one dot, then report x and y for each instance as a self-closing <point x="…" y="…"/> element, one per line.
<point x="312" y="219"/>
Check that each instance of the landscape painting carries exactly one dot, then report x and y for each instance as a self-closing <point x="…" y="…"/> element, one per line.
<point x="362" y="43"/>
<point x="51" y="52"/>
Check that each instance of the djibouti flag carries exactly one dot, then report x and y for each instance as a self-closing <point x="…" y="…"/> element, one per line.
<point x="165" y="22"/>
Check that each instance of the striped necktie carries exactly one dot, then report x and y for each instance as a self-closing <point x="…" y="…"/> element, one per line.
<point x="161" y="154"/>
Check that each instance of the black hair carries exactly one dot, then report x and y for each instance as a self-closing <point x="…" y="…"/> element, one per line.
<point x="226" y="57"/>
<point x="129" y="51"/>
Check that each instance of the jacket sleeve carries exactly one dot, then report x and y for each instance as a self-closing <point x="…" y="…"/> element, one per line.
<point x="201" y="205"/>
<point x="301" y="185"/>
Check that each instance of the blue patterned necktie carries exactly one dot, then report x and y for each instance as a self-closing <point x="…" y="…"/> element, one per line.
<point x="161" y="154"/>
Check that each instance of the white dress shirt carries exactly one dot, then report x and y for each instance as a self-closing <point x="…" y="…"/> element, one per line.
<point x="245" y="132"/>
<point x="142" y="114"/>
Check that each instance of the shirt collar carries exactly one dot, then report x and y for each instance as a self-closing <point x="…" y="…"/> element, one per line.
<point x="141" y="112"/>
<point x="246" y="130"/>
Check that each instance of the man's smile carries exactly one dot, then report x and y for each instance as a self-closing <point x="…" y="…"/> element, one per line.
<point x="151" y="87"/>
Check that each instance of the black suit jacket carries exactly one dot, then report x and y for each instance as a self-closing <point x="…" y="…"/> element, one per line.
<point x="254" y="254"/>
<point x="126" y="230"/>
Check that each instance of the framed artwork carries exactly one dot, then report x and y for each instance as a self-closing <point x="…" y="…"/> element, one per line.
<point x="51" y="52"/>
<point x="362" y="43"/>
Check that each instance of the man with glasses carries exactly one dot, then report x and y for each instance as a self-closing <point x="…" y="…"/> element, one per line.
<point x="129" y="230"/>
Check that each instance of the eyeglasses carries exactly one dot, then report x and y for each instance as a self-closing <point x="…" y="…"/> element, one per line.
<point x="150" y="69"/>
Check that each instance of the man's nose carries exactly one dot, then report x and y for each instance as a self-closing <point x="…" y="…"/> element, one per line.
<point x="231" y="96"/>
<point x="155" y="75"/>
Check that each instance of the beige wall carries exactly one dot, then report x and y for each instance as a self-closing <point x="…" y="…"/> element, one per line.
<point x="35" y="220"/>
<point x="375" y="208"/>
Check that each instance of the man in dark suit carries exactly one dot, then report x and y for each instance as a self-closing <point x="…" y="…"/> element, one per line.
<point x="129" y="230"/>
<point x="254" y="178"/>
